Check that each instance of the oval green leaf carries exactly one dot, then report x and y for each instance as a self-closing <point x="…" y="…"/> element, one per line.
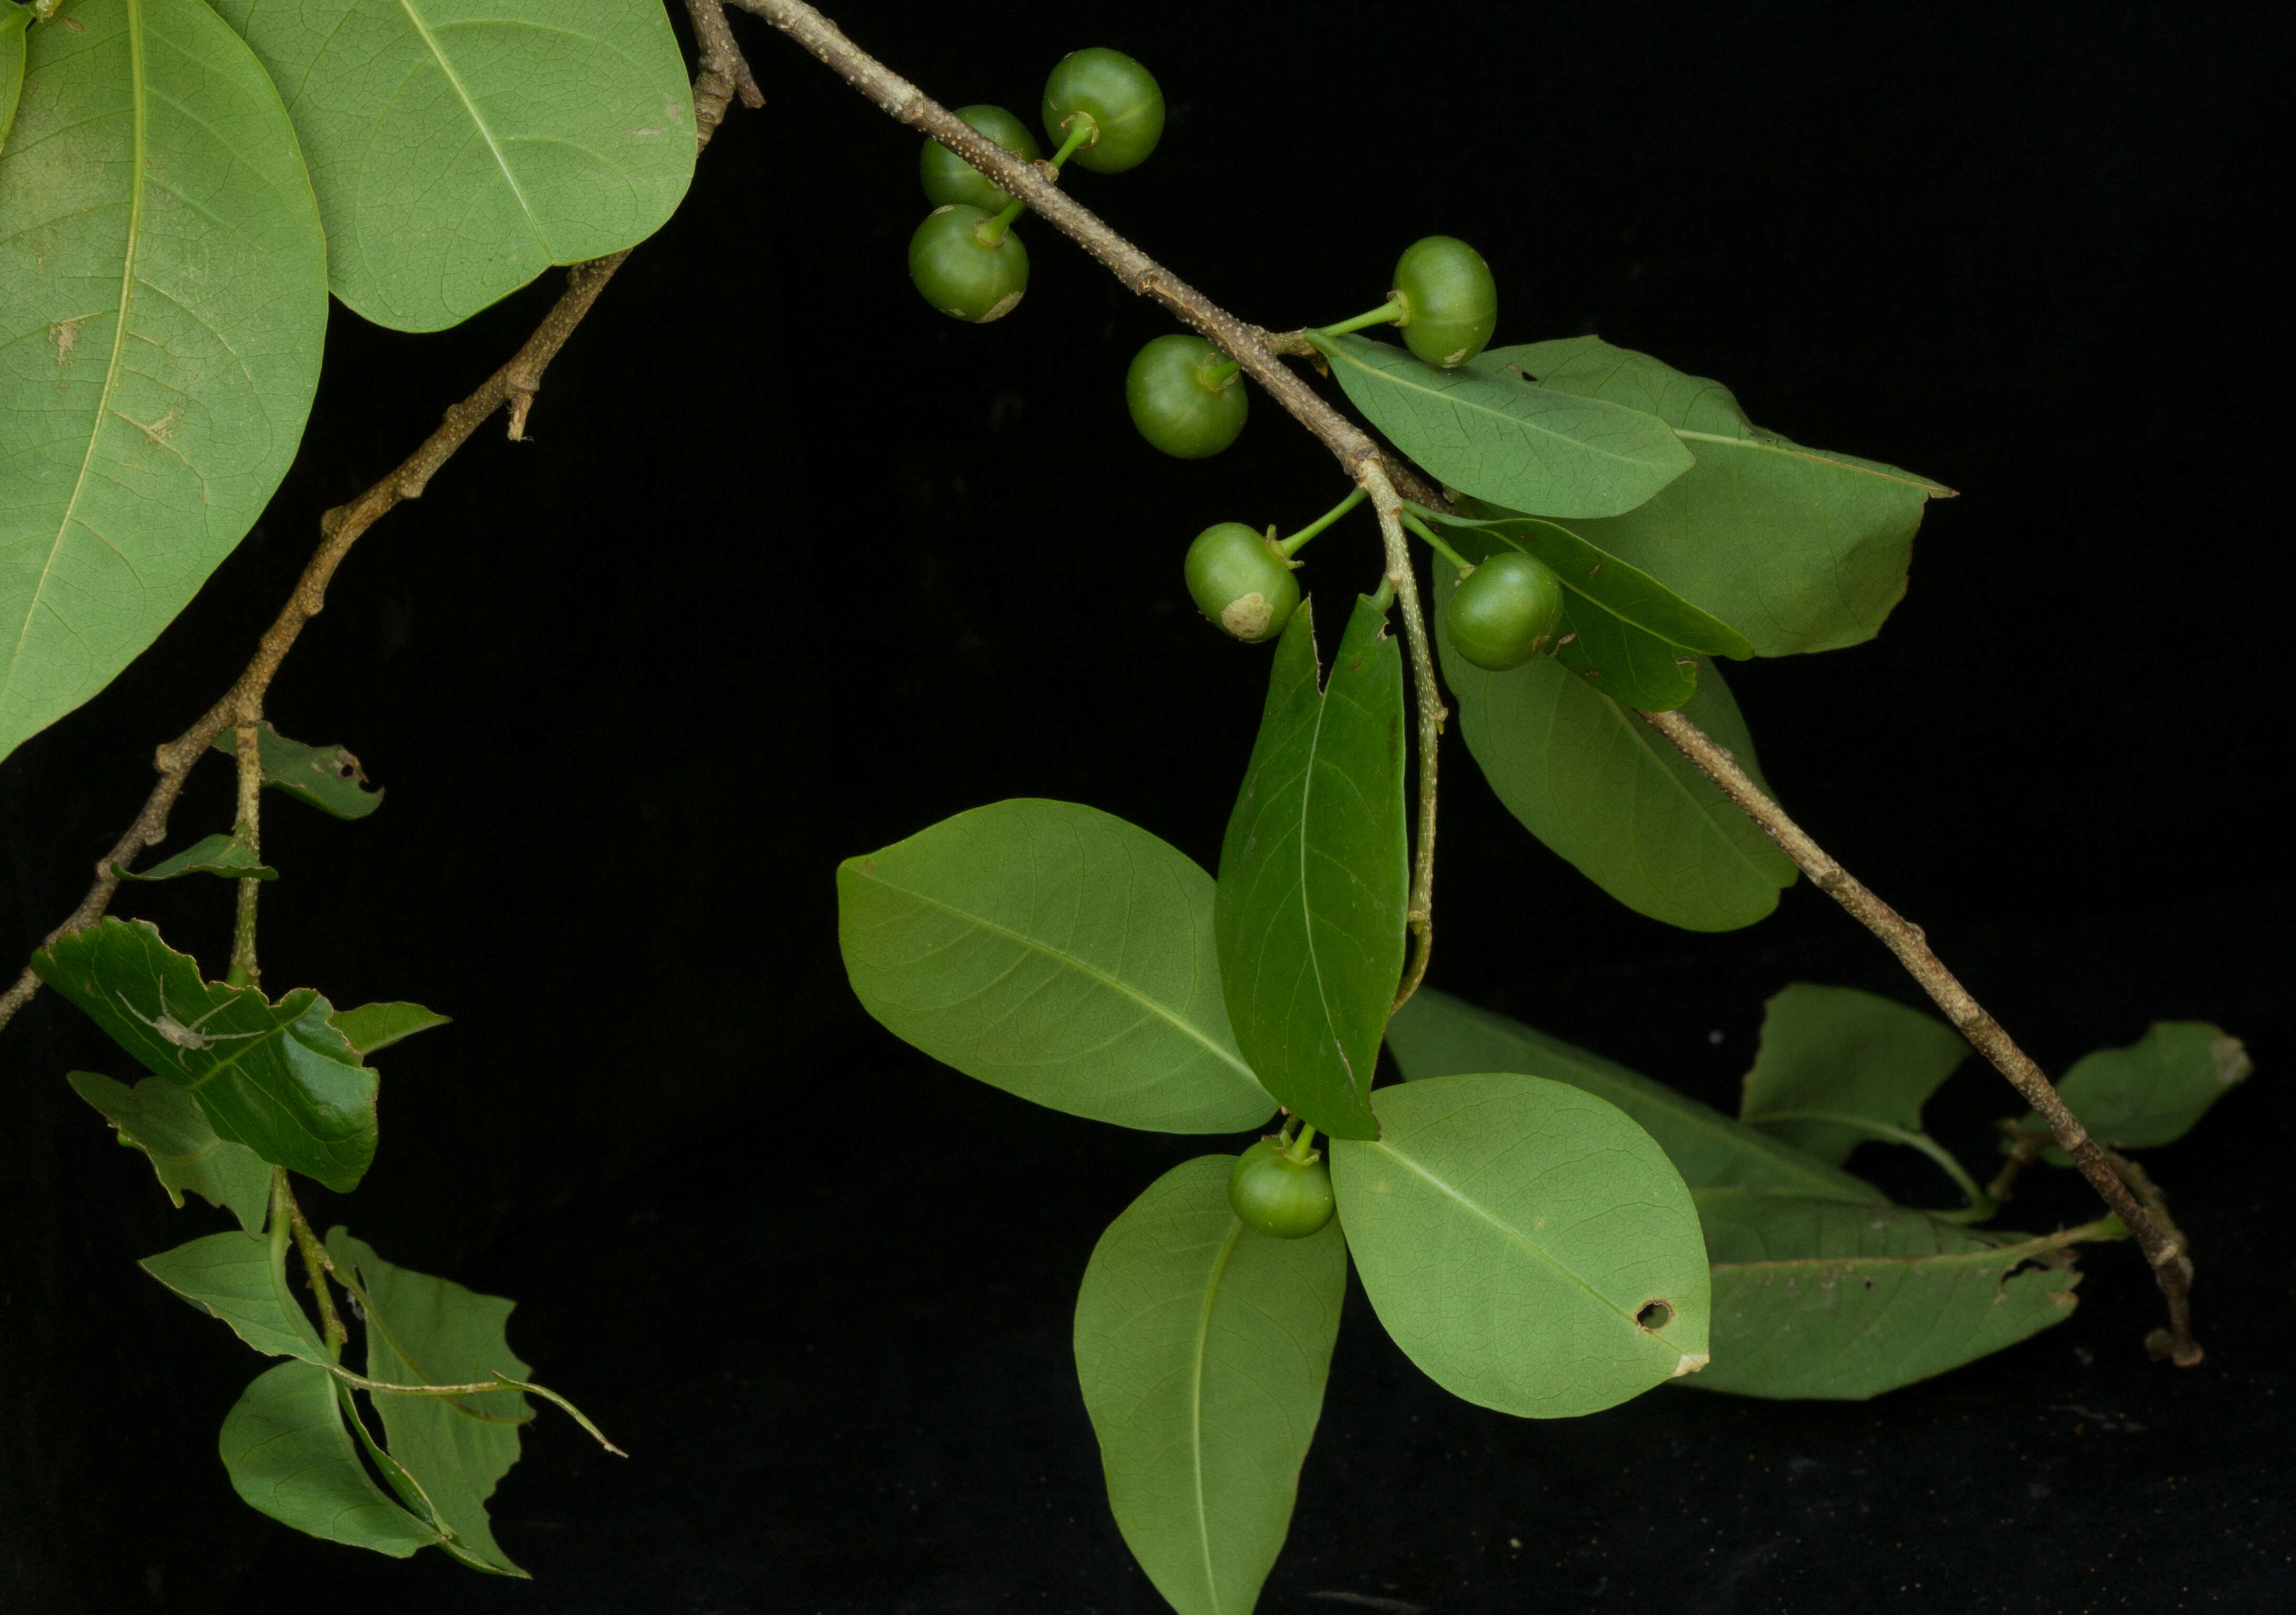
<point x="1838" y="1066"/>
<point x="1202" y="1349"/>
<point x="289" y="1457"/>
<point x="1314" y="877"/>
<point x="461" y="147"/>
<point x="162" y="304"/>
<point x="1055" y="952"/>
<point x="1528" y="1245"/>
<point x="2151" y="1091"/>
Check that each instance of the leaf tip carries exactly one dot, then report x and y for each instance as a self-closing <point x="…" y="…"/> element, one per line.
<point x="1690" y="1361"/>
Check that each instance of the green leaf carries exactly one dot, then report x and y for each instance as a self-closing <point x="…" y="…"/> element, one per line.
<point x="1057" y="953"/>
<point x="163" y="301"/>
<point x="1487" y="431"/>
<point x="326" y="777"/>
<point x="1634" y="668"/>
<point x="2151" y="1091"/>
<point x="165" y="1123"/>
<point x="1526" y="1243"/>
<point x="377" y="1026"/>
<point x="289" y="1457"/>
<point x="1436" y="1035"/>
<point x="1314" y="877"/>
<point x="426" y="1331"/>
<point x="461" y="147"/>
<point x="214" y="855"/>
<point x="1815" y="1297"/>
<point x="1800" y="549"/>
<point x="275" y="1077"/>
<point x="13" y="21"/>
<point x="1605" y="791"/>
<point x="1837" y="1067"/>
<point x="1202" y="1349"/>
<point x="232" y="1276"/>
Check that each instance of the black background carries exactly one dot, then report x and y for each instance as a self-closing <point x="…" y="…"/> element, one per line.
<point x="796" y="566"/>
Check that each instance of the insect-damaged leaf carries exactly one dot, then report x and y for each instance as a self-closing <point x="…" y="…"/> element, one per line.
<point x="289" y="1457"/>
<point x="326" y="777"/>
<point x="1314" y="876"/>
<point x="276" y="1076"/>
<point x="2151" y="1091"/>
<point x="1838" y="1066"/>
<point x="1528" y="1245"/>
<point x="214" y="855"/>
<point x="1202" y="1349"/>
<point x="165" y="1123"/>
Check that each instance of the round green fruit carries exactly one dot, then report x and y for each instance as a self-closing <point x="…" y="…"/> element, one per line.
<point x="1241" y="581"/>
<point x="1504" y="610"/>
<point x="1450" y="304"/>
<point x="960" y="274"/>
<point x="1277" y="1195"/>
<point x="1120" y="97"/>
<point x="1175" y="403"/>
<point x="951" y="182"/>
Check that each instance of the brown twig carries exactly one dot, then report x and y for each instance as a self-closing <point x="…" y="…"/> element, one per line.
<point x="721" y="75"/>
<point x="2163" y="1247"/>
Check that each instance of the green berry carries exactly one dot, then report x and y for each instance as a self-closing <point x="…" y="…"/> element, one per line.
<point x="1277" y="1195"/>
<point x="962" y="274"/>
<point x="951" y="182"/>
<point x="1175" y="403"/>
<point x="1241" y="581"/>
<point x="1450" y="305"/>
<point x="1504" y="610"/>
<point x="1120" y="97"/>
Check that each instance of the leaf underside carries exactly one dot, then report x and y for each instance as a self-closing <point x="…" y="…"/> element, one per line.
<point x="223" y="856"/>
<point x="1837" y="1067"/>
<point x="13" y="21"/>
<point x="289" y="1457"/>
<point x="165" y="1123"/>
<point x="2151" y="1091"/>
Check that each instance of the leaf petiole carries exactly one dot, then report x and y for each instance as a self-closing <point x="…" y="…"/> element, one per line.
<point x="1291" y="546"/>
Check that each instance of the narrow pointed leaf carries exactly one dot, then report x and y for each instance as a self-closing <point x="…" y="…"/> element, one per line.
<point x="2151" y="1091"/>
<point x="1486" y="431"/>
<point x="165" y="1123"/>
<point x="377" y="1026"/>
<point x="276" y="1076"/>
<point x="1202" y="1349"/>
<point x="214" y="855"/>
<point x="1436" y="1035"/>
<point x="1055" y="952"/>
<point x="1528" y="1245"/>
<point x="1797" y="548"/>
<point x="1814" y="1298"/>
<point x="1605" y="791"/>
<point x="232" y="1276"/>
<point x="1314" y="879"/>
<point x="13" y="21"/>
<point x="326" y="777"/>
<point x="163" y="302"/>
<point x="1837" y="1067"/>
<point x="459" y="147"/>
<point x="289" y="1457"/>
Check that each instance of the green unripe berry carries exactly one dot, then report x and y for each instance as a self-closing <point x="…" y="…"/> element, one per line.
<point x="1450" y="304"/>
<point x="1277" y="1195"/>
<point x="1120" y="97"/>
<point x="1504" y="610"/>
<point x="1175" y="403"/>
<point x="962" y="274"/>
<point x="1241" y="581"/>
<point x="951" y="182"/>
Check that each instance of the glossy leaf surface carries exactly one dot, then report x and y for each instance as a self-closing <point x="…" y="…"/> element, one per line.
<point x="1202" y="1349"/>
<point x="1057" y="953"/>
<point x="214" y="855"/>
<point x="326" y="777"/>
<point x="1436" y="1035"/>
<point x="1797" y="548"/>
<point x="275" y="1077"/>
<point x="1526" y="1244"/>
<point x="230" y="1276"/>
<point x="1485" y="430"/>
<point x="461" y="147"/>
<point x="1816" y="1298"/>
<point x="1838" y="1066"/>
<point x="377" y="1026"/>
<point x="1314" y="877"/>
<point x="2151" y="1091"/>
<point x="162" y="306"/>
<point x="1608" y="793"/>
<point x="289" y="1457"/>
<point x="165" y="1123"/>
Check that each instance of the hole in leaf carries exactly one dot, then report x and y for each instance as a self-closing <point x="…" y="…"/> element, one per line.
<point x="1654" y="1316"/>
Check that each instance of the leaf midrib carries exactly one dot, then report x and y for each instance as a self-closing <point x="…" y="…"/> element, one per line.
<point x="1196" y="1403"/>
<point x="1794" y="451"/>
<point x="446" y="70"/>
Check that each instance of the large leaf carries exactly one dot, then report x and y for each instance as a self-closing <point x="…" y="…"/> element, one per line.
<point x="1436" y="1035"/>
<point x="2151" y="1091"/>
<point x="13" y="21"/>
<point x="1800" y="549"/>
<point x="1055" y="952"/>
<point x="1837" y="1067"/>
<point x="326" y="777"/>
<point x="1202" y="1348"/>
<point x="1816" y="1298"/>
<point x="276" y="1076"/>
<point x="162" y="306"/>
<point x="289" y="1457"/>
<point x="1525" y="1243"/>
<point x="1487" y="431"/>
<point x="1607" y="792"/>
<point x="165" y="1123"/>
<point x="461" y="147"/>
<point x="1314" y="875"/>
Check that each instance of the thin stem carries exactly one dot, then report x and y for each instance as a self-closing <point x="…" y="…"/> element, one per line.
<point x="1082" y="132"/>
<point x="992" y="232"/>
<point x="1431" y="712"/>
<point x="1382" y="599"/>
<point x="1387" y="314"/>
<point x="1291" y="546"/>
<point x="317" y="1263"/>
<point x="243" y="971"/>
<point x="1435" y="543"/>
<point x="2172" y="1267"/>
<point x="1216" y="377"/>
<point x="2024" y="1148"/>
<point x="1297" y="1150"/>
